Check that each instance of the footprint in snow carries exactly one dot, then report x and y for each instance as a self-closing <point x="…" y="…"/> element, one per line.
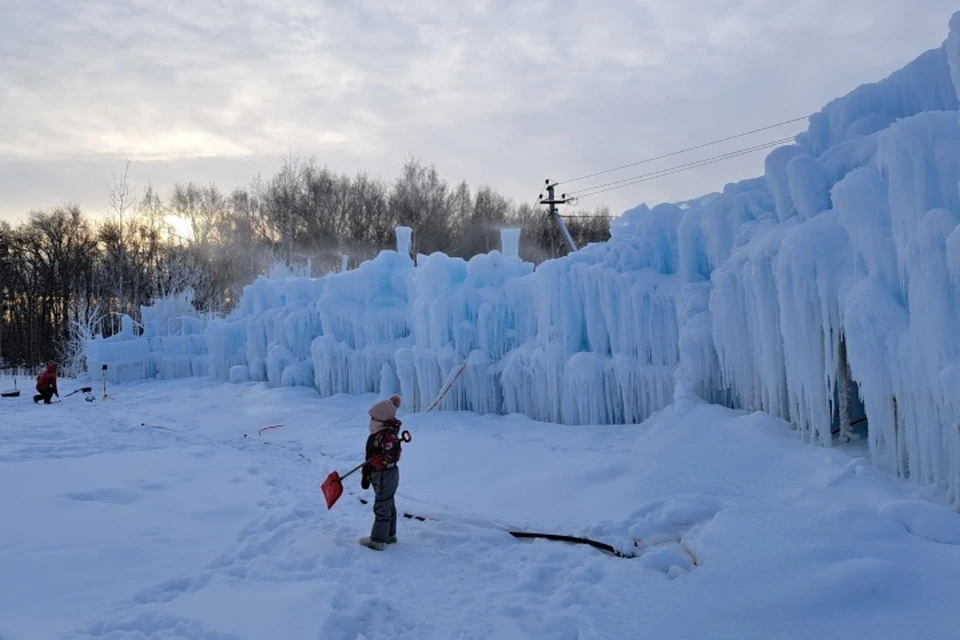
<point x="171" y="589"/>
<point x="153" y="625"/>
<point x="605" y="475"/>
<point x="373" y="619"/>
<point x="590" y="574"/>
<point x="520" y="612"/>
<point x="542" y="579"/>
<point x="106" y="496"/>
<point x="337" y="559"/>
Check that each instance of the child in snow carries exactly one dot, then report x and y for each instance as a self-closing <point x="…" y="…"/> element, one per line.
<point x="47" y="385"/>
<point x="383" y="453"/>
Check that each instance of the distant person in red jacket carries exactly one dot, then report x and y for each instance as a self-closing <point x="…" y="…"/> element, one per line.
<point x="383" y="452"/>
<point x="47" y="385"/>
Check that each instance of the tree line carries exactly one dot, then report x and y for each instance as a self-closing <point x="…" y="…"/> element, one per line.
<point x="64" y="273"/>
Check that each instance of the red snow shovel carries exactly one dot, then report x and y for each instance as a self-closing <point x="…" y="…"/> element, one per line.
<point x="332" y="487"/>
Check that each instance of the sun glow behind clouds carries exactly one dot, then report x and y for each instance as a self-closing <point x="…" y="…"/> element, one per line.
<point x="179" y="228"/>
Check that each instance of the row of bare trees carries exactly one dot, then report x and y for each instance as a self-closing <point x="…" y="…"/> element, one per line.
<point x="61" y="269"/>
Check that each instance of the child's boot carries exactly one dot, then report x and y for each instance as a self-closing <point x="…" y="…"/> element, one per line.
<point x="369" y="542"/>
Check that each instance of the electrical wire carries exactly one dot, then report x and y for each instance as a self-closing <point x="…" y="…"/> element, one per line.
<point x="693" y="164"/>
<point x="679" y="151"/>
<point x="645" y="177"/>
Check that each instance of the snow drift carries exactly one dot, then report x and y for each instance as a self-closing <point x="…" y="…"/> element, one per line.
<point x="824" y="290"/>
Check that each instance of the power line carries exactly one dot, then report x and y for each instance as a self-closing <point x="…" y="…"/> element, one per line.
<point x="693" y="148"/>
<point x="692" y="164"/>
<point x="645" y="177"/>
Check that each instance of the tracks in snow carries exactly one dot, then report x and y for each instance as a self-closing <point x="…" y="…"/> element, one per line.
<point x="295" y="544"/>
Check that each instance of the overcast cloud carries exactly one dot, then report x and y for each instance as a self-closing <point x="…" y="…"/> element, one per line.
<point x="499" y="92"/>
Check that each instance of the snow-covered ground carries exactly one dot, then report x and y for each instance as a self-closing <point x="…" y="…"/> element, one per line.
<point x="162" y="513"/>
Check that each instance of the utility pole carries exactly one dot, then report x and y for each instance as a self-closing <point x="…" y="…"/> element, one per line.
<point x="552" y="202"/>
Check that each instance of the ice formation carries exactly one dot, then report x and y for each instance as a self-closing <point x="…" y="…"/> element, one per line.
<point x="171" y="344"/>
<point x="821" y="291"/>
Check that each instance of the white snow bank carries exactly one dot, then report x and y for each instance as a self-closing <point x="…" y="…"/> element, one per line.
<point x="153" y="516"/>
<point x="925" y="519"/>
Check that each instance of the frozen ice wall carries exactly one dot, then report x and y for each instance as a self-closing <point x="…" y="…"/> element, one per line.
<point x="601" y="336"/>
<point x="591" y="338"/>
<point x="269" y="332"/>
<point x="363" y="320"/>
<point x="463" y="312"/>
<point x="832" y="283"/>
<point x="336" y="332"/>
<point x="168" y="344"/>
<point x="125" y="355"/>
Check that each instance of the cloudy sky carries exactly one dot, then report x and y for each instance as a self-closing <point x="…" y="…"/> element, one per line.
<point x="499" y="92"/>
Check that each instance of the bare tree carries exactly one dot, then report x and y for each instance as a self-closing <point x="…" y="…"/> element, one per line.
<point x="121" y="202"/>
<point x="420" y="199"/>
<point x="83" y="327"/>
<point x="60" y="274"/>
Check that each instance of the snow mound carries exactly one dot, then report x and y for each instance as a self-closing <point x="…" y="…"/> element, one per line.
<point x="239" y="374"/>
<point x="665" y="521"/>
<point x="925" y="519"/>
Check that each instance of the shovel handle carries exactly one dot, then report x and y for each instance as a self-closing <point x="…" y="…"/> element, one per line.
<point x="355" y="469"/>
<point x="405" y="436"/>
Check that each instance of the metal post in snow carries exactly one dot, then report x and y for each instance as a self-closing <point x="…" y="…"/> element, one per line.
<point x="555" y="213"/>
<point x="105" y="396"/>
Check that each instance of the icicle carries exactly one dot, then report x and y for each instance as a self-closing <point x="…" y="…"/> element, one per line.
<point x="510" y="243"/>
<point x="746" y="321"/>
<point x="813" y="264"/>
<point x="404" y="235"/>
<point x="843" y="392"/>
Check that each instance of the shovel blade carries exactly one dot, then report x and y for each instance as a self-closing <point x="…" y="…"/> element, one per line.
<point x="332" y="489"/>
